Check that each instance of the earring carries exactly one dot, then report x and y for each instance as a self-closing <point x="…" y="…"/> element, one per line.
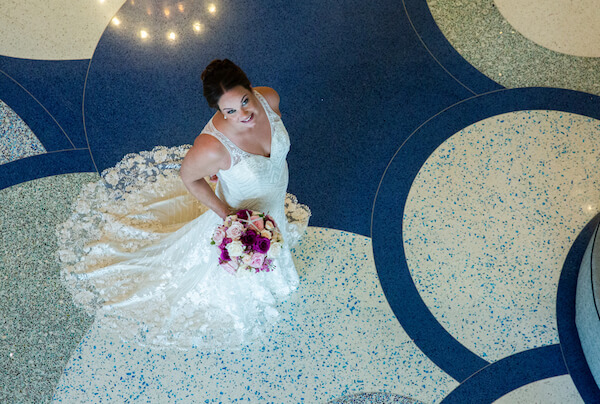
<point x="224" y="116"/>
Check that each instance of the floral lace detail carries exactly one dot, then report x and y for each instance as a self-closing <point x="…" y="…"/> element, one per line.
<point x="119" y="207"/>
<point x="136" y="252"/>
<point x="297" y="216"/>
<point x="152" y="166"/>
<point x="235" y="152"/>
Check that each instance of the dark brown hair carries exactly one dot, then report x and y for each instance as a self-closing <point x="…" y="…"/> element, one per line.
<point x="219" y="77"/>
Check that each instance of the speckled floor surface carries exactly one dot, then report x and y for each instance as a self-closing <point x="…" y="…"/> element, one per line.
<point x="450" y="162"/>
<point x="500" y="51"/>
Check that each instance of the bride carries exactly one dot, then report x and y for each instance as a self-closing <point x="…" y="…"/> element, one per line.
<point x="136" y="251"/>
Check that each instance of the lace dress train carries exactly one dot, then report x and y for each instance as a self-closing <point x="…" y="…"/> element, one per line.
<point x="136" y="251"/>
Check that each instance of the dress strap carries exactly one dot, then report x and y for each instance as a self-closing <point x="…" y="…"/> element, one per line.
<point x="235" y="152"/>
<point x="270" y="113"/>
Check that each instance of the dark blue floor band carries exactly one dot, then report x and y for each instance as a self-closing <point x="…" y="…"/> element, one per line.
<point x="443" y="52"/>
<point x="55" y="84"/>
<point x="565" y="317"/>
<point x="45" y="165"/>
<point x="508" y="374"/>
<point x="389" y="204"/>
<point x="41" y="123"/>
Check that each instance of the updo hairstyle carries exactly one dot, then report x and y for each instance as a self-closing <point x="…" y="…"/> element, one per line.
<point x="219" y="77"/>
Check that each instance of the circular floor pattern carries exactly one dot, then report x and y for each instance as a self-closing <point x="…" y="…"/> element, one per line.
<point x="500" y="52"/>
<point x="514" y="190"/>
<point x="556" y="390"/>
<point x="566" y="27"/>
<point x="337" y="337"/>
<point x="54" y="30"/>
<point x="16" y="138"/>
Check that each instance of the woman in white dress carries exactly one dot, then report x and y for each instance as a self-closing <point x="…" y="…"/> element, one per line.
<point x="136" y="251"/>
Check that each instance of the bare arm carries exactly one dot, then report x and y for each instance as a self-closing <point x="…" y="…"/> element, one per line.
<point x="205" y="158"/>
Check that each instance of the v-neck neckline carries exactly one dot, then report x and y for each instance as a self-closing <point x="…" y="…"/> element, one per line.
<point x="263" y="101"/>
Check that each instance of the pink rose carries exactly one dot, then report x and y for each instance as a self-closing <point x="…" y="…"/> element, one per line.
<point x="235" y="231"/>
<point x="230" y="266"/>
<point x="257" y="260"/>
<point x="258" y="222"/>
<point x="219" y="234"/>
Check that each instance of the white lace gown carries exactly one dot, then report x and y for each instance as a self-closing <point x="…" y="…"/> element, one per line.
<point x="136" y="251"/>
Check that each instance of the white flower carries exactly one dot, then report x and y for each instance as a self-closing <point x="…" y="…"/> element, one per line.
<point x="275" y="250"/>
<point x="235" y="248"/>
<point x="266" y="234"/>
<point x="269" y="225"/>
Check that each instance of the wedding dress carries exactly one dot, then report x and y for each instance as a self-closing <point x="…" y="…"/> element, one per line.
<point x="136" y="251"/>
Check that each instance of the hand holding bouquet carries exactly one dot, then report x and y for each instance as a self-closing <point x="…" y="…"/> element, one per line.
<point x="248" y="242"/>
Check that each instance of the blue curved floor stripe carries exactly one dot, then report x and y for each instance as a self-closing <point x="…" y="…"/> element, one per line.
<point x="353" y="85"/>
<point x="45" y="165"/>
<point x="388" y="208"/>
<point x="56" y="84"/>
<point x="33" y="114"/>
<point x="444" y="52"/>
<point x="508" y="374"/>
<point x="565" y="317"/>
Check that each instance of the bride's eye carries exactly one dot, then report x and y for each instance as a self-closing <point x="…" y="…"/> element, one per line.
<point x="244" y="102"/>
<point x="231" y="111"/>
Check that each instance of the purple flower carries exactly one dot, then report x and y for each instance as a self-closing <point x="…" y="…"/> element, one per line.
<point x="262" y="245"/>
<point x="248" y="238"/>
<point x="224" y="243"/>
<point x="244" y="213"/>
<point x="224" y="256"/>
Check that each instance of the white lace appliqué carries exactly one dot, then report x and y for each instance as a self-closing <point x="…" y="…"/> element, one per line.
<point x="136" y="251"/>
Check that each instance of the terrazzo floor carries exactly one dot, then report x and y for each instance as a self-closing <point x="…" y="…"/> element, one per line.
<point x="18" y="141"/>
<point x="447" y="188"/>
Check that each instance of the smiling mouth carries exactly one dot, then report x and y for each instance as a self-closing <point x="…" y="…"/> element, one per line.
<point x="249" y="118"/>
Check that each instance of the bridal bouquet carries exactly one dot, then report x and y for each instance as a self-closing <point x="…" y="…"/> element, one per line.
<point x="248" y="242"/>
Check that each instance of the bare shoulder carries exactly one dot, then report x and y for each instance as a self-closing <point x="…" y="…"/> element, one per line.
<point x="271" y="96"/>
<point x="206" y="157"/>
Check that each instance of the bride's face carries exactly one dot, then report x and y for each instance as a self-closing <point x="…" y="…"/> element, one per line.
<point x="239" y="106"/>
